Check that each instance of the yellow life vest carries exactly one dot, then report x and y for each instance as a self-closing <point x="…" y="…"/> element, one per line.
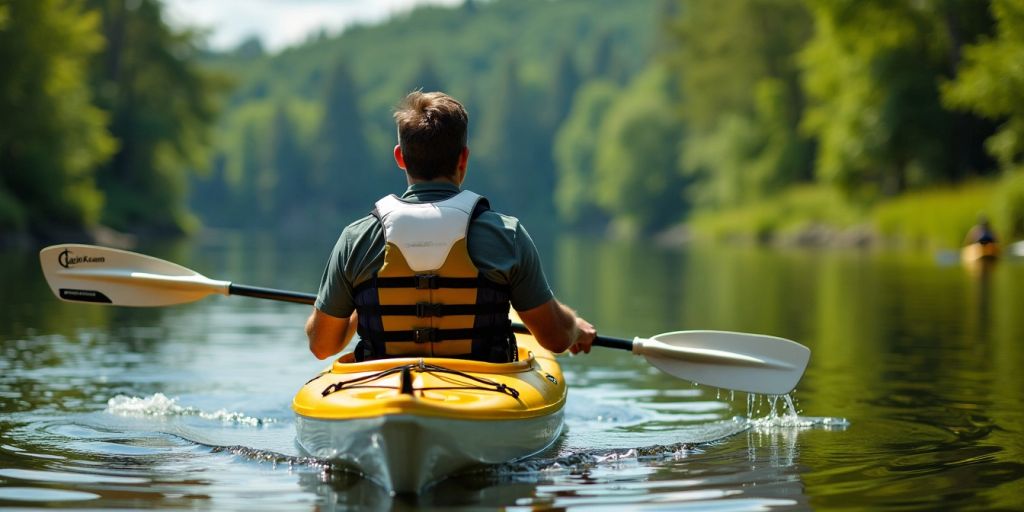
<point x="429" y="298"/>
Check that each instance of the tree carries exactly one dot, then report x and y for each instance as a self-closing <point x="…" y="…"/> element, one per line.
<point x="343" y="169"/>
<point x="52" y="136"/>
<point x="288" y="165"/>
<point x="576" y="147"/>
<point x="637" y="157"/>
<point x="162" y="106"/>
<point x="563" y="88"/>
<point x="516" y="150"/>
<point x="871" y="73"/>
<point x="741" y="98"/>
<point x="990" y="83"/>
<point x="426" y="78"/>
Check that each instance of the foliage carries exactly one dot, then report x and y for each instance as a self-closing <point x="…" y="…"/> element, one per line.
<point x="820" y="214"/>
<point x="161" y="106"/>
<point x="342" y="166"/>
<point x="776" y="115"/>
<point x="741" y="98"/>
<point x="496" y="57"/>
<point x="638" y="148"/>
<point x="951" y="213"/>
<point x="990" y="83"/>
<point x="1008" y="204"/>
<point x="52" y="136"/>
<point x="791" y="214"/>
<point x="576" y="155"/>
<point x="871" y="72"/>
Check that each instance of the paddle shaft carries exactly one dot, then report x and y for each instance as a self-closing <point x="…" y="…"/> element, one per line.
<point x="271" y="293"/>
<point x="745" y="362"/>
<point x="309" y="298"/>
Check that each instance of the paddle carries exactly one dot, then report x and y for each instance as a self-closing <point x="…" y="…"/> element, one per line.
<point x="744" y="362"/>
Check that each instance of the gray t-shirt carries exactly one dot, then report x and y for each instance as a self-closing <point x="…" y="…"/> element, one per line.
<point x="498" y="245"/>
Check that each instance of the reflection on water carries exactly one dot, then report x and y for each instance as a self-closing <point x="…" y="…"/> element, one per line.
<point x="188" y="406"/>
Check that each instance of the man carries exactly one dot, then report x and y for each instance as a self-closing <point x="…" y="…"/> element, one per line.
<point x="981" y="233"/>
<point x="433" y="273"/>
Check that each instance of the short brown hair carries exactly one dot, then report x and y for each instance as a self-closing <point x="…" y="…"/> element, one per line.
<point x="432" y="133"/>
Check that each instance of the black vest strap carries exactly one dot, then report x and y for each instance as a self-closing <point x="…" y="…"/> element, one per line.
<point x="432" y="335"/>
<point x="426" y="309"/>
<point x="428" y="282"/>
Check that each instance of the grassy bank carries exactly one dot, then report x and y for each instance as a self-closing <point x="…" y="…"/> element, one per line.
<point x="817" y="215"/>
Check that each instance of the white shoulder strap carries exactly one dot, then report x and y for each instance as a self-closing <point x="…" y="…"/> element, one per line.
<point x="426" y="232"/>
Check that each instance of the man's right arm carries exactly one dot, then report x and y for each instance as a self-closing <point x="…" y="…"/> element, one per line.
<point x="327" y="334"/>
<point x="558" y="328"/>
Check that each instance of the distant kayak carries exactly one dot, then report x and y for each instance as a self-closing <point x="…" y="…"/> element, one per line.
<point x="979" y="251"/>
<point x="407" y="423"/>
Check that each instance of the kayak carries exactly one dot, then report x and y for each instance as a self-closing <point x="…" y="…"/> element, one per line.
<point x="977" y="251"/>
<point x="407" y="423"/>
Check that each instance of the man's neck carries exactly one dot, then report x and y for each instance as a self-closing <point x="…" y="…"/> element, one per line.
<point x="445" y="180"/>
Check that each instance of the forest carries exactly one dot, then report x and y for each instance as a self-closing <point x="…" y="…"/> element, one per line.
<point x="748" y="118"/>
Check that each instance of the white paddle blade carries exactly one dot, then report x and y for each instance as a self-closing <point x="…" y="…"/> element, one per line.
<point x="754" y="363"/>
<point x="100" y="275"/>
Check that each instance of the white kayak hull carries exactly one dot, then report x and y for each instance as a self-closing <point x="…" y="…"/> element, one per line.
<point x="407" y="453"/>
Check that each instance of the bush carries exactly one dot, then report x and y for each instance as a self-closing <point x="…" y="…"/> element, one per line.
<point x="934" y="218"/>
<point x="1008" y="205"/>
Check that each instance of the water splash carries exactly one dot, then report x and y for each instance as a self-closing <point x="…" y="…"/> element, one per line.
<point x="782" y="413"/>
<point x="159" y="405"/>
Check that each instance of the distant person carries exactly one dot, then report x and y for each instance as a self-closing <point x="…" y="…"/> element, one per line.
<point x="981" y="233"/>
<point x="434" y="272"/>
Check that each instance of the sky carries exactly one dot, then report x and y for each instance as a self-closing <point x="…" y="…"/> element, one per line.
<point x="280" y="23"/>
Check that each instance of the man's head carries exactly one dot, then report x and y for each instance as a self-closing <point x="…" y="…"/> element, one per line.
<point x="431" y="135"/>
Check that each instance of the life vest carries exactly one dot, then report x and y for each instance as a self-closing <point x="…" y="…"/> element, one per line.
<point x="428" y="298"/>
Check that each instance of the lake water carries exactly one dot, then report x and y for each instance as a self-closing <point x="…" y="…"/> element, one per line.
<point x="913" y="399"/>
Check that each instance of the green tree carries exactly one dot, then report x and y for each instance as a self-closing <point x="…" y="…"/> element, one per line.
<point x="563" y="88"/>
<point x="343" y="168"/>
<point x="467" y="48"/>
<point x="871" y="73"/>
<point x="638" y="154"/>
<point x="52" y="137"/>
<point x="576" y="155"/>
<point x="990" y="83"/>
<point x="741" y="98"/>
<point x="516" y="150"/>
<point x="289" y="166"/>
<point x="162" y="106"/>
<point x="426" y="78"/>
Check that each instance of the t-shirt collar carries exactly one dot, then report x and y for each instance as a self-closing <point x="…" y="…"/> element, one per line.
<point x="430" y="191"/>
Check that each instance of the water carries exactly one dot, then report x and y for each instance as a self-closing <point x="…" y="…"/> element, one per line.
<point x="912" y="400"/>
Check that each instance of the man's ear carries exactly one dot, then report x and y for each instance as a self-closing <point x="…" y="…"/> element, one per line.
<point x="464" y="158"/>
<point x="399" y="158"/>
<point x="460" y="169"/>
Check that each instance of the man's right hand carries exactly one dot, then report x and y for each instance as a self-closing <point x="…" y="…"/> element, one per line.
<point x="558" y="328"/>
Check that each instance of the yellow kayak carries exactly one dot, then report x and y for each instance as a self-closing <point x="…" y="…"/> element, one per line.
<point x="977" y="251"/>
<point x="407" y="423"/>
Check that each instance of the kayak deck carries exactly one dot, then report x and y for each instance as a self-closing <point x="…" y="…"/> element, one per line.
<point x="409" y="422"/>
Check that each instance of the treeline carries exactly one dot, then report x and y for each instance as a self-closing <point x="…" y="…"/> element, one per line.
<point x="871" y="98"/>
<point x="633" y="115"/>
<point x="306" y="140"/>
<point x="104" y="113"/>
<point x="586" y="113"/>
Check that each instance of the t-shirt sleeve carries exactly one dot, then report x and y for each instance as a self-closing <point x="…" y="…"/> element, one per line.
<point x="335" y="295"/>
<point x="529" y="286"/>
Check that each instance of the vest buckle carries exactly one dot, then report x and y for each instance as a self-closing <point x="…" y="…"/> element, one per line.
<point x="426" y="281"/>
<point x="426" y="335"/>
<point x="425" y="309"/>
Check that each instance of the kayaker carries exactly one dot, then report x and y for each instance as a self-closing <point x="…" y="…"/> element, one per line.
<point x="981" y="233"/>
<point x="433" y="272"/>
